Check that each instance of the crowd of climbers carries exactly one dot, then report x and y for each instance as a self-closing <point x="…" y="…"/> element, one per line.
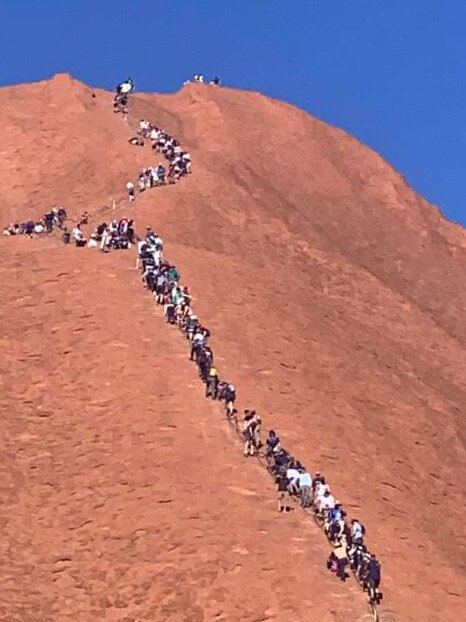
<point x="178" y="160"/>
<point x="293" y="480"/>
<point x="56" y="217"/>
<point x="119" y="234"/>
<point x="312" y="492"/>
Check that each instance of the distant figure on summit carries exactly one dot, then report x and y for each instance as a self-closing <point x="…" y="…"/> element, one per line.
<point x="125" y="88"/>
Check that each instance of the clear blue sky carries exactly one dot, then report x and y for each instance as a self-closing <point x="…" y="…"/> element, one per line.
<point x="391" y="72"/>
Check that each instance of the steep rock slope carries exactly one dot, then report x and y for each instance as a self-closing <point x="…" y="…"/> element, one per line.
<point x="335" y="294"/>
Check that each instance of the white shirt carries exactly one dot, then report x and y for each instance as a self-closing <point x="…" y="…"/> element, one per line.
<point x="327" y="503"/>
<point x="292" y="474"/>
<point x="77" y="234"/>
<point x="130" y="185"/>
<point x="321" y="489"/>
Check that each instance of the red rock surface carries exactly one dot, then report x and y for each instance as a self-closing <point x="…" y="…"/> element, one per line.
<point x="336" y="300"/>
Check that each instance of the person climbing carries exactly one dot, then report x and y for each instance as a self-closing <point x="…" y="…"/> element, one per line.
<point x="357" y="532"/>
<point x="251" y="432"/>
<point x="230" y="397"/>
<point x="61" y="214"/>
<point x="126" y="87"/>
<point x="211" y="384"/>
<point x="305" y="487"/>
<point x="78" y="236"/>
<point x="173" y="274"/>
<point x="272" y="447"/>
<point x="130" y="190"/>
<point x="340" y="556"/>
<point x="282" y="491"/>
<point x="373" y="575"/>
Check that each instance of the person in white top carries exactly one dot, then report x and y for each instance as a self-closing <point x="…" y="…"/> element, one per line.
<point x="157" y="254"/>
<point x="158" y="242"/>
<point x="320" y="491"/>
<point x="293" y="477"/>
<point x="143" y="126"/>
<point x="327" y="502"/>
<point x="126" y="87"/>
<point x="92" y="243"/>
<point x="105" y="240"/>
<point x="39" y="228"/>
<point x="78" y="237"/>
<point x="130" y="189"/>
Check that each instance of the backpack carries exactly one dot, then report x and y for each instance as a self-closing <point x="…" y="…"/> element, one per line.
<point x="363" y="529"/>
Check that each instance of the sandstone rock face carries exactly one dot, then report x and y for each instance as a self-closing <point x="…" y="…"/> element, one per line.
<point x="335" y="296"/>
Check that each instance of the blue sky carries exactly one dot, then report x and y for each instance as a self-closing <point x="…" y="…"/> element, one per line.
<point x="391" y="72"/>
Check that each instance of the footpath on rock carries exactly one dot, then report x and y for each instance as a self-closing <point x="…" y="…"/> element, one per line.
<point x="257" y="291"/>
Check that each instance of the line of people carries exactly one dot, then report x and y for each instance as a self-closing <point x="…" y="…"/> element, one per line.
<point x="199" y="78"/>
<point x="292" y="479"/>
<point x="118" y="235"/>
<point x="55" y="218"/>
<point x="178" y="160"/>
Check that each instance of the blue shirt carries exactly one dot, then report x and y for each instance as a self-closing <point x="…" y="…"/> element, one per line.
<point x="305" y="479"/>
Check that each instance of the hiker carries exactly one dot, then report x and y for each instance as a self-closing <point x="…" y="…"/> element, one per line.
<point x="293" y="477"/>
<point x="130" y="190"/>
<point x="373" y="575"/>
<point x="282" y="491"/>
<point x="92" y="243"/>
<point x="357" y="532"/>
<point x="49" y="222"/>
<point x="273" y="447"/>
<point x="230" y="397"/>
<point x="305" y="487"/>
<point x="334" y="524"/>
<point x="78" y="237"/>
<point x="39" y="228"/>
<point x="66" y="236"/>
<point x="173" y="274"/>
<point x="84" y="219"/>
<point x="326" y="502"/>
<point x="169" y="311"/>
<point x="125" y="88"/>
<point x="211" y="384"/>
<point x="61" y="215"/>
<point x="161" y="172"/>
<point x="338" y="560"/>
<point x="251" y="432"/>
